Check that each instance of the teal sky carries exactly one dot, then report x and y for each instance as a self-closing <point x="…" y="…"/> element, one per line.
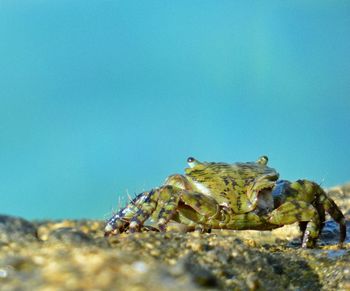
<point x="103" y="98"/>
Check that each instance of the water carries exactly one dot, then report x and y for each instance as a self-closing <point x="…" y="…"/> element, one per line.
<point x="101" y="98"/>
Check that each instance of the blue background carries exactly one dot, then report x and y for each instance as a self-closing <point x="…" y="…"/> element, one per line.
<point x="104" y="98"/>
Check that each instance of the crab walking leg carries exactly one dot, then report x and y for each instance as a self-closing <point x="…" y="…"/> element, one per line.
<point x="119" y="221"/>
<point x="322" y="217"/>
<point x="312" y="193"/>
<point x="199" y="207"/>
<point x="168" y="210"/>
<point x="297" y="211"/>
<point x="162" y="201"/>
<point x="333" y="210"/>
<point x="203" y="204"/>
<point x="145" y="210"/>
<point x="178" y="181"/>
<point x="194" y="208"/>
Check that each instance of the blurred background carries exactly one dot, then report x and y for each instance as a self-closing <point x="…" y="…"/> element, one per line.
<point x="104" y="98"/>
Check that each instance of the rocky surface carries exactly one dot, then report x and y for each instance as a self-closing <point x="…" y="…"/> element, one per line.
<point x="74" y="255"/>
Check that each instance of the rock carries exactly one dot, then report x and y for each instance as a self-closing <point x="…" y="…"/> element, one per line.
<point x="70" y="235"/>
<point x="201" y="275"/>
<point x="71" y="259"/>
<point x="93" y="227"/>
<point x="16" y="229"/>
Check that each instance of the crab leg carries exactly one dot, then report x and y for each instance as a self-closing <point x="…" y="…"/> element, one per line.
<point x="298" y="211"/>
<point x="119" y="221"/>
<point x="333" y="210"/>
<point x="144" y="211"/>
<point x="311" y="193"/>
<point x="202" y="204"/>
<point x="162" y="201"/>
<point x="200" y="207"/>
<point x="167" y="211"/>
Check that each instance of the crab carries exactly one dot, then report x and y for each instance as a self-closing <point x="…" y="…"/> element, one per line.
<point x="236" y="196"/>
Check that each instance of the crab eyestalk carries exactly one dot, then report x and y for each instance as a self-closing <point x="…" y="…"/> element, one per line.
<point x="263" y="160"/>
<point x="192" y="162"/>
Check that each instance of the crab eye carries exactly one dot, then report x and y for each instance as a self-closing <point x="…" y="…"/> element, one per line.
<point x="190" y="160"/>
<point x="263" y="160"/>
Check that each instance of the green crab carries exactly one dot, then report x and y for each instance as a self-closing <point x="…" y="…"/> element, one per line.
<point x="231" y="196"/>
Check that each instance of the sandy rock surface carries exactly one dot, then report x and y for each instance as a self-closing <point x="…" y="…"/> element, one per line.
<point x="74" y="255"/>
